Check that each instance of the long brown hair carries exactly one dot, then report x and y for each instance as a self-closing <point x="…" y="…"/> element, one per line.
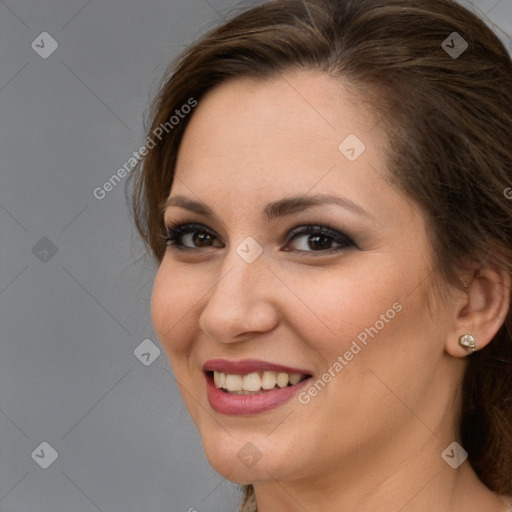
<point x="449" y="117"/>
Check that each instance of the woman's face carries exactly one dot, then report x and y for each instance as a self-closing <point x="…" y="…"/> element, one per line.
<point x="296" y="261"/>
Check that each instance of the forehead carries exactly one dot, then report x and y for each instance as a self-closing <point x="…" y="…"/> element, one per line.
<point x="298" y="108"/>
<point x="290" y="135"/>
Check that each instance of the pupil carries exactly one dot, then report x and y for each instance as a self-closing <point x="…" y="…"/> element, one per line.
<point x="201" y="239"/>
<point x="319" y="242"/>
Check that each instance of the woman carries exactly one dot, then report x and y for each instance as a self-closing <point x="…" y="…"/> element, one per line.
<point x="325" y="198"/>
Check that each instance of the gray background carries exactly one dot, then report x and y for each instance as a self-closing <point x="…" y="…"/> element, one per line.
<point x="75" y="284"/>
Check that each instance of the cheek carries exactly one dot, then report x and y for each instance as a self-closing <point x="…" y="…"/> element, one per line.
<point x="365" y="314"/>
<point x="333" y="308"/>
<point x="172" y="303"/>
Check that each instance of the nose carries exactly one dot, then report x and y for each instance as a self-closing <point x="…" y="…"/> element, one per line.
<point x="241" y="303"/>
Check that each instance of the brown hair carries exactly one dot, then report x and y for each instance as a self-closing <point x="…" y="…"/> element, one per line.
<point x="450" y="120"/>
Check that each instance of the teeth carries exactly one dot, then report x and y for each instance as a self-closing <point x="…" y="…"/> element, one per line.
<point x="254" y="382"/>
<point x="251" y="382"/>
<point x="269" y="380"/>
<point x="282" y="380"/>
<point x="295" y="378"/>
<point x="234" y="382"/>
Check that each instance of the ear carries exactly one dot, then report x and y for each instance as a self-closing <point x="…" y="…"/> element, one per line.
<point x="483" y="307"/>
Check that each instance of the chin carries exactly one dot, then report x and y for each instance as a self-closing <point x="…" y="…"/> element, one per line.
<point x="248" y="458"/>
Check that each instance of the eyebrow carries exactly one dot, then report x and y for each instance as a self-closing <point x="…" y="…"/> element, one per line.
<point x="276" y="209"/>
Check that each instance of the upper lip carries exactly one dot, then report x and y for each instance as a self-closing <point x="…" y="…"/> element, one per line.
<point x="245" y="366"/>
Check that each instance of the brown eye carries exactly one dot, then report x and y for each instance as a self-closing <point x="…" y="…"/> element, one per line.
<point x="319" y="242"/>
<point x="317" y="239"/>
<point x="202" y="239"/>
<point x="191" y="236"/>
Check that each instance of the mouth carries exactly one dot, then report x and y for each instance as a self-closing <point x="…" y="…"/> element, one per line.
<point x="250" y="387"/>
<point x="255" y="383"/>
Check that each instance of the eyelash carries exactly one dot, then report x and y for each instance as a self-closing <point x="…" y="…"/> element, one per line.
<point x="176" y="231"/>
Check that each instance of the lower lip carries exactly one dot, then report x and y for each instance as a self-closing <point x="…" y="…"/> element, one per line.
<point x="236" y="405"/>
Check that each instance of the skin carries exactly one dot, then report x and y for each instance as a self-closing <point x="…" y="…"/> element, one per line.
<point x="372" y="438"/>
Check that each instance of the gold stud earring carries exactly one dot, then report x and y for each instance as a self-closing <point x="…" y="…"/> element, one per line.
<point x="468" y="343"/>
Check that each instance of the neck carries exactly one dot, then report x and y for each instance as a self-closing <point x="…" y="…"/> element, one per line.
<point x="414" y="481"/>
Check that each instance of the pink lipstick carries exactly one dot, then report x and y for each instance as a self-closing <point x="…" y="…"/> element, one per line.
<point x="249" y="387"/>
